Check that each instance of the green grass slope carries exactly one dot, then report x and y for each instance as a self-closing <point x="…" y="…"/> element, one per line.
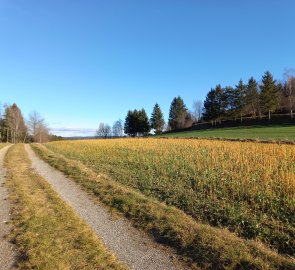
<point x="275" y="132"/>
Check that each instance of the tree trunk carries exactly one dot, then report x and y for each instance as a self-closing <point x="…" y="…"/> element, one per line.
<point x="290" y="105"/>
<point x="268" y="114"/>
<point x="25" y="137"/>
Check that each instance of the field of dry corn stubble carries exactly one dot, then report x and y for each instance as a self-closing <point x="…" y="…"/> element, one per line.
<point x="248" y="188"/>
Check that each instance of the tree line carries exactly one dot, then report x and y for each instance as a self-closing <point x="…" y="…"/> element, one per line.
<point x="251" y="99"/>
<point x="15" y="129"/>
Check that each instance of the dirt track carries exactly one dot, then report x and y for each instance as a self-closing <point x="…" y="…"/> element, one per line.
<point x="131" y="246"/>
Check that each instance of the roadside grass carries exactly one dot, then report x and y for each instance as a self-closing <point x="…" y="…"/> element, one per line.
<point x="202" y="245"/>
<point x="47" y="232"/>
<point x="275" y="132"/>
<point x="2" y="145"/>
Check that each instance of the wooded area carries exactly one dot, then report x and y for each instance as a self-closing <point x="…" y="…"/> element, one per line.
<point x="15" y="129"/>
<point x="251" y="99"/>
<point x="255" y="100"/>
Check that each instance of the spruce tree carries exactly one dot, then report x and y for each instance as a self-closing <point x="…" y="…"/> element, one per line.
<point x="157" y="120"/>
<point x="215" y="104"/>
<point x="229" y="94"/>
<point x="143" y="125"/>
<point x="239" y="99"/>
<point x="252" y="97"/>
<point x="210" y="108"/>
<point x="268" y="96"/>
<point x="221" y="102"/>
<point x="177" y="114"/>
<point x="136" y="123"/>
<point x="130" y="123"/>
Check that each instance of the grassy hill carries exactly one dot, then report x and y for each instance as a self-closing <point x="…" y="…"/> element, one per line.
<point x="273" y="132"/>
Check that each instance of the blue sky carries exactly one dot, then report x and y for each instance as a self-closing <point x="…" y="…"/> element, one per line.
<point x="79" y="63"/>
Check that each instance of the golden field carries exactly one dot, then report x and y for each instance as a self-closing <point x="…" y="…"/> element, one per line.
<point x="246" y="187"/>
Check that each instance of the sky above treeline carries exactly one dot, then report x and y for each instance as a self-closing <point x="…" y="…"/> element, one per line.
<point x="79" y="63"/>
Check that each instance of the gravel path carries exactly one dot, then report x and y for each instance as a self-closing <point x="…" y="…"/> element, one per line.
<point x="131" y="246"/>
<point x="7" y="253"/>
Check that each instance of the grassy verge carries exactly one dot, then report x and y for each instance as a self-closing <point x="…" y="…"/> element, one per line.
<point x="47" y="232"/>
<point x="264" y="133"/>
<point x="3" y="145"/>
<point x="205" y="246"/>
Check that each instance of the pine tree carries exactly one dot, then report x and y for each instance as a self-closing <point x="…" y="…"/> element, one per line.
<point x="130" y="123"/>
<point x="215" y="104"/>
<point x="143" y="125"/>
<point x="136" y="123"/>
<point x="229" y="95"/>
<point x="268" y="96"/>
<point x="239" y="99"/>
<point x="157" y="120"/>
<point x="177" y="114"/>
<point x="252" y="97"/>
<point x="221" y="102"/>
<point x="210" y="109"/>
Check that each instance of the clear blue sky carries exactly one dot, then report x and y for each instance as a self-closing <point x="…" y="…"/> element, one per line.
<point x="79" y="63"/>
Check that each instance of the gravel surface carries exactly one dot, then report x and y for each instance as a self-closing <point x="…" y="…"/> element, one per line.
<point x="130" y="245"/>
<point x="7" y="253"/>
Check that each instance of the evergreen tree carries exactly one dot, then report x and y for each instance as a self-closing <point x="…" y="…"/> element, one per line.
<point x="252" y="97"/>
<point x="239" y="99"/>
<point x="210" y="108"/>
<point x="221" y="102"/>
<point x="130" y="123"/>
<point x="229" y="95"/>
<point x="177" y="114"/>
<point x="215" y="104"/>
<point x="136" y="123"/>
<point x="157" y="120"/>
<point x="143" y="125"/>
<point x="268" y="96"/>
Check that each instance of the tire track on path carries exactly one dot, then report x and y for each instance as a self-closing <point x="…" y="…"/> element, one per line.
<point x="7" y="252"/>
<point x="130" y="245"/>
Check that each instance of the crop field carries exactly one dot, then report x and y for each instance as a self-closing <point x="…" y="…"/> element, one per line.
<point x="246" y="187"/>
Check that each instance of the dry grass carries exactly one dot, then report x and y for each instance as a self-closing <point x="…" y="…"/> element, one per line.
<point x="205" y="246"/>
<point x="3" y="145"/>
<point x="47" y="232"/>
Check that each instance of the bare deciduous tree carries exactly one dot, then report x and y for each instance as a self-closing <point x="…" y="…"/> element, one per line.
<point x="289" y="89"/>
<point x="37" y="127"/>
<point x="15" y="126"/>
<point x="197" y="110"/>
<point x="104" y="130"/>
<point x="118" y="128"/>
